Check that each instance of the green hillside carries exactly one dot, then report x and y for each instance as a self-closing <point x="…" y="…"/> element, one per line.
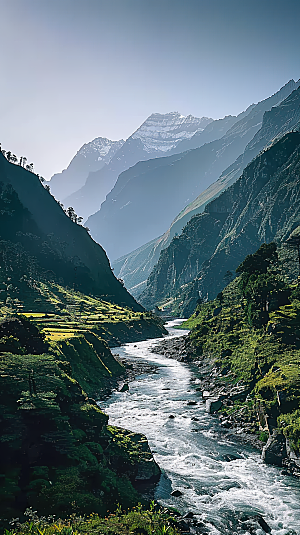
<point x="39" y="242"/>
<point x="261" y="206"/>
<point x="249" y="337"/>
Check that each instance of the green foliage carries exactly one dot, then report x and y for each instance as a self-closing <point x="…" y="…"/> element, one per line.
<point x="252" y="334"/>
<point x="152" y="521"/>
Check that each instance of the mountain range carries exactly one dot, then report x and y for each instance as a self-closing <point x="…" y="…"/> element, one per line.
<point x="217" y="164"/>
<point x="91" y="157"/>
<point x="263" y="205"/>
<point x="159" y="135"/>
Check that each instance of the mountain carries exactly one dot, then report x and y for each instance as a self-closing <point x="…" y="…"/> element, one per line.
<point x="40" y="242"/>
<point x="91" y="157"/>
<point x="251" y="131"/>
<point x="159" y="135"/>
<point x="263" y="205"/>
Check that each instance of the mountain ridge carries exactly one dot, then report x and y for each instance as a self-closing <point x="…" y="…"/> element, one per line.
<point x="135" y="267"/>
<point x="261" y="206"/>
<point x="158" y="135"/>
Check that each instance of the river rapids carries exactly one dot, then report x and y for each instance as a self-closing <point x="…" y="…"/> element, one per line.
<point x="194" y="452"/>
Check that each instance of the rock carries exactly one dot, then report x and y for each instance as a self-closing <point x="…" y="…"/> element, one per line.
<point x="171" y="416"/>
<point x="253" y="520"/>
<point x="230" y="457"/>
<point x="205" y="394"/>
<point x="274" y="452"/>
<point x="124" y="388"/>
<point x="176" y="493"/>
<point x="212" y="405"/>
<point x="184" y="526"/>
<point x="188" y="515"/>
<point x="226" y="424"/>
<point x="195" y="419"/>
<point x="230" y="485"/>
<point x="192" y="403"/>
<point x="238" y="394"/>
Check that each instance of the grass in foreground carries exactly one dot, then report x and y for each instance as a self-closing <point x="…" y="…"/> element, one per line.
<point x="152" y="521"/>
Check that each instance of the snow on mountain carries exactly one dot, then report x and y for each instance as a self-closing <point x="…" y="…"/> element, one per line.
<point x="105" y="148"/>
<point x="163" y="132"/>
<point x="91" y="157"/>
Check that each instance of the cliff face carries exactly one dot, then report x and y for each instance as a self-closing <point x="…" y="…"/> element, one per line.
<point x="261" y="206"/>
<point x="40" y="241"/>
<point x="237" y="143"/>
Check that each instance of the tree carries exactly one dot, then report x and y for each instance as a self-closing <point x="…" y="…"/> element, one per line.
<point x="71" y="214"/>
<point x="259" y="282"/>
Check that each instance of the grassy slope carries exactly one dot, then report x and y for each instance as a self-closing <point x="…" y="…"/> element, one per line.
<point x="79" y="327"/>
<point x="266" y="360"/>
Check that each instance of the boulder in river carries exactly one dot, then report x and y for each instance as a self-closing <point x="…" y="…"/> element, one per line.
<point x="254" y="521"/>
<point x="274" y="452"/>
<point x="176" y="493"/>
<point x="124" y="388"/>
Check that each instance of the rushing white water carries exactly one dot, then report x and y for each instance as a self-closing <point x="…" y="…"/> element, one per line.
<point x="190" y="450"/>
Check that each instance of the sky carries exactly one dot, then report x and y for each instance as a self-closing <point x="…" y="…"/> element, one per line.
<point x="73" y="70"/>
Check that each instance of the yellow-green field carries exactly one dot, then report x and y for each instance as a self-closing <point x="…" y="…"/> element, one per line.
<point x="68" y="313"/>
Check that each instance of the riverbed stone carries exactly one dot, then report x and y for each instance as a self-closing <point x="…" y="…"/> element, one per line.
<point x="213" y="405"/>
<point x="274" y="452"/>
<point x="176" y="493"/>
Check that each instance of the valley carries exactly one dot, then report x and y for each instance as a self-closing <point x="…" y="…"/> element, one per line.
<point x="104" y="425"/>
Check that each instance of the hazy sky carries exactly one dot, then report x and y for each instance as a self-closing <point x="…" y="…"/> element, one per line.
<point x="73" y="70"/>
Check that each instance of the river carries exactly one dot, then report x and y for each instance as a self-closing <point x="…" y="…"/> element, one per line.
<point x="192" y="451"/>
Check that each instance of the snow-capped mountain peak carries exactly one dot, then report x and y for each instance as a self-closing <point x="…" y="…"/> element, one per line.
<point x="103" y="146"/>
<point x="162" y="132"/>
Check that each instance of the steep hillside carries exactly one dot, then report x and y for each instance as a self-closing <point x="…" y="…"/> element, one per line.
<point x="261" y="206"/>
<point x="246" y="344"/>
<point x="58" y="455"/>
<point x="91" y="157"/>
<point x="157" y="136"/>
<point x="39" y="241"/>
<point x="134" y="268"/>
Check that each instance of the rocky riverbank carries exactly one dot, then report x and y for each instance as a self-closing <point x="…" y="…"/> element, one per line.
<point x="241" y="416"/>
